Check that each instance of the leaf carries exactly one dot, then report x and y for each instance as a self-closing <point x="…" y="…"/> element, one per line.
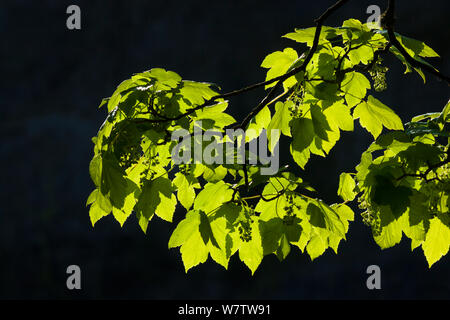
<point x="187" y="235"/>
<point x="258" y="123"/>
<point x="132" y="192"/>
<point x="396" y="197"/>
<point x="251" y="252"/>
<point x="278" y="63"/>
<point x="317" y="245"/>
<point x="322" y="65"/>
<point x="95" y="169"/>
<point x="446" y="112"/>
<point x="158" y="198"/>
<point x="215" y="114"/>
<point x="185" y="189"/>
<point x="194" y="251"/>
<point x="346" y="187"/>
<point x="324" y="217"/>
<point x="271" y="233"/>
<point x="280" y="121"/>
<point x="302" y="137"/>
<point x="355" y="86"/>
<point x="281" y="118"/>
<point x="339" y="116"/>
<point x="196" y="92"/>
<point x="185" y="229"/>
<point x="416" y="47"/>
<point x="437" y="240"/>
<point x="320" y="123"/>
<point x="322" y="90"/>
<point x="373" y="114"/>
<point x="307" y="35"/>
<point x="391" y="232"/>
<point x="213" y="196"/>
<point x="167" y="79"/>
<point x="113" y="184"/>
<point x="96" y="213"/>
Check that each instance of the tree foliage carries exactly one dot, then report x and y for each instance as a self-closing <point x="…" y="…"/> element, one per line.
<point x="402" y="184"/>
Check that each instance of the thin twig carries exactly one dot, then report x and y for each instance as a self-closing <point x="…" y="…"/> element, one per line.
<point x="390" y="13"/>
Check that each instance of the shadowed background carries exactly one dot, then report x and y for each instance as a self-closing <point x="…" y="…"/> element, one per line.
<point x="52" y="81"/>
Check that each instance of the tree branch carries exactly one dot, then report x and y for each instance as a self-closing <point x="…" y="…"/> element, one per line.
<point x="270" y="95"/>
<point x="389" y="24"/>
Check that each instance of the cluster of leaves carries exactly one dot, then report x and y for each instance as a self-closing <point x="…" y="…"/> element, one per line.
<point x="233" y="208"/>
<point x="406" y="189"/>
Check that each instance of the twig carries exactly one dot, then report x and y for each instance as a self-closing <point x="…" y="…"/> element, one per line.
<point x="270" y="95"/>
<point x="390" y="12"/>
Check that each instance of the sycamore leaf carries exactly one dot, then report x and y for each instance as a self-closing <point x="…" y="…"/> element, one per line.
<point x="339" y="116"/>
<point x="212" y="197"/>
<point x="251" y="252"/>
<point x="158" y="198"/>
<point x="355" y="86"/>
<point x="307" y="35"/>
<point x="437" y="240"/>
<point x="346" y="187"/>
<point x="373" y="115"/>
<point x="185" y="189"/>
<point x="278" y="63"/>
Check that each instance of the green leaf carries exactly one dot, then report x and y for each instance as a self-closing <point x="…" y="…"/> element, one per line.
<point x="281" y="118"/>
<point x="187" y="235"/>
<point x="446" y="112"/>
<point x="320" y="123"/>
<point x="322" y="65"/>
<point x="416" y="47"/>
<point x="322" y="90"/>
<point x="339" y="116"/>
<point x="166" y="79"/>
<point x="346" y="187"/>
<point x="95" y="170"/>
<point x="258" y="123"/>
<point x="251" y="252"/>
<point x="196" y="92"/>
<point x="215" y="114"/>
<point x="132" y="192"/>
<point x="185" y="189"/>
<point x="280" y="121"/>
<point x="307" y="35"/>
<point x="213" y="196"/>
<point x="437" y="240"/>
<point x="355" y="86"/>
<point x="113" y="183"/>
<point x="271" y="233"/>
<point x="396" y="197"/>
<point x="302" y="137"/>
<point x="324" y="217"/>
<point x="373" y="114"/>
<point x="185" y="229"/>
<point x="158" y="198"/>
<point x="194" y="251"/>
<point x="317" y="245"/>
<point x="391" y="232"/>
<point x="278" y="63"/>
<point x="96" y="212"/>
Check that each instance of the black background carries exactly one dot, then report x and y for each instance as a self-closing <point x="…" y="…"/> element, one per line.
<point x="52" y="81"/>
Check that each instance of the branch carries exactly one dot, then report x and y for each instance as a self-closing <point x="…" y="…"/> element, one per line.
<point x="423" y="175"/>
<point x="389" y="24"/>
<point x="270" y="95"/>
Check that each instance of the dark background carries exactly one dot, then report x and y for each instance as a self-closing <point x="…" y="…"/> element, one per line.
<point x="53" y="79"/>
